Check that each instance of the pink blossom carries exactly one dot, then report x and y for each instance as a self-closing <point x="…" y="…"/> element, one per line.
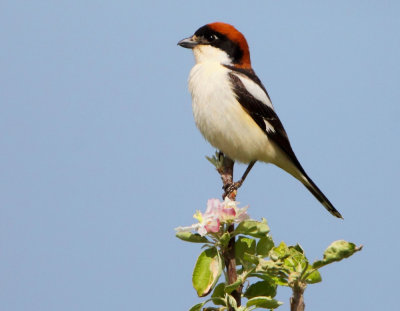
<point x="217" y="213"/>
<point x="212" y="225"/>
<point x="214" y="207"/>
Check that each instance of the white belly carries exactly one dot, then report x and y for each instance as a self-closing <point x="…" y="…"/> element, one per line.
<point x="222" y="120"/>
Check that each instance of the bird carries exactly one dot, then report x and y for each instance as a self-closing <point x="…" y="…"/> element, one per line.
<point x="232" y="108"/>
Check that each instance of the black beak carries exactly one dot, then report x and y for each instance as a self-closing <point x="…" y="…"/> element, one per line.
<point x="188" y="43"/>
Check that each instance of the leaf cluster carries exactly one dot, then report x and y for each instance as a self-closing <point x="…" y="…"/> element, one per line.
<point x="262" y="266"/>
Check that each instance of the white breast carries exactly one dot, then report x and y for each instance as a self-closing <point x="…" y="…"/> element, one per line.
<point x="222" y="120"/>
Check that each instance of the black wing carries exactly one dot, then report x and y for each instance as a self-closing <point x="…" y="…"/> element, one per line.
<point x="262" y="113"/>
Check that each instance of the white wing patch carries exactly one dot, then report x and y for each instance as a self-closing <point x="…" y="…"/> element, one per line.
<point x="255" y="90"/>
<point x="269" y="127"/>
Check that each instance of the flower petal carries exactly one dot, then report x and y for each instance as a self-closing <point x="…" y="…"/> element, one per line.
<point x="212" y="225"/>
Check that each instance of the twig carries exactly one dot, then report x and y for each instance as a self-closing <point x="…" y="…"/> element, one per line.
<point x="297" y="299"/>
<point x="226" y="172"/>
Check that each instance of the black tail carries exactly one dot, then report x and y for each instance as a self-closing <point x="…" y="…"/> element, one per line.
<point x="312" y="187"/>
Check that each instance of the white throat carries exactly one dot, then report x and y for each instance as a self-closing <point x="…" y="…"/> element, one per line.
<point x="207" y="53"/>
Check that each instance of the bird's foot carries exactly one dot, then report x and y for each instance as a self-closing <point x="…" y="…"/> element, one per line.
<point x="231" y="187"/>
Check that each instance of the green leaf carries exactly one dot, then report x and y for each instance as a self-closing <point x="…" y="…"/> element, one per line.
<point x="216" y="160"/>
<point x="269" y="266"/>
<point x="224" y="240"/>
<point x="262" y="288"/>
<point x="263" y="302"/>
<point x="264" y="246"/>
<point x="235" y="285"/>
<point x="218" y="296"/>
<point x="197" y="307"/>
<point x="292" y="257"/>
<point x="232" y="301"/>
<point x="219" y="301"/>
<point x="244" y="245"/>
<point x="337" y="251"/>
<point x="313" y="277"/>
<point x="273" y="278"/>
<point x="251" y="258"/>
<point x="253" y="228"/>
<point x="296" y="261"/>
<point x="279" y="252"/>
<point x="298" y="248"/>
<point x="207" y="271"/>
<point x="192" y="237"/>
<point x="280" y="280"/>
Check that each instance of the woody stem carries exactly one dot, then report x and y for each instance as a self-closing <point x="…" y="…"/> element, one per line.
<point x="226" y="172"/>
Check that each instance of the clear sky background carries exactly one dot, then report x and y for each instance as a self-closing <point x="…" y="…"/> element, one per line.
<point x="100" y="158"/>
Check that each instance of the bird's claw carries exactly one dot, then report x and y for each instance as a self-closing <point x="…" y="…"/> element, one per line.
<point x="231" y="187"/>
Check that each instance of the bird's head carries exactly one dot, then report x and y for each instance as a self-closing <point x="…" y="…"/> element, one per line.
<point x="219" y="42"/>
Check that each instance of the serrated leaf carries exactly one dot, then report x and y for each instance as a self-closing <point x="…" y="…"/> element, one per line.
<point x="207" y="271"/>
<point x="244" y="245"/>
<point x="263" y="302"/>
<point x="253" y="228"/>
<point x="197" y="307"/>
<point x="296" y="261"/>
<point x="337" y="251"/>
<point x="279" y="252"/>
<point x="313" y="277"/>
<point x="191" y="237"/>
<point x="264" y="246"/>
<point x="262" y="288"/>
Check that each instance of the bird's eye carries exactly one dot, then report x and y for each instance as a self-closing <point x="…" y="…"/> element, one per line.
<point x="211" y="38"/>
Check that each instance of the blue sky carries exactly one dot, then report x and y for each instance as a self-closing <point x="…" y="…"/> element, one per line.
<point x="100" y="158"/>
